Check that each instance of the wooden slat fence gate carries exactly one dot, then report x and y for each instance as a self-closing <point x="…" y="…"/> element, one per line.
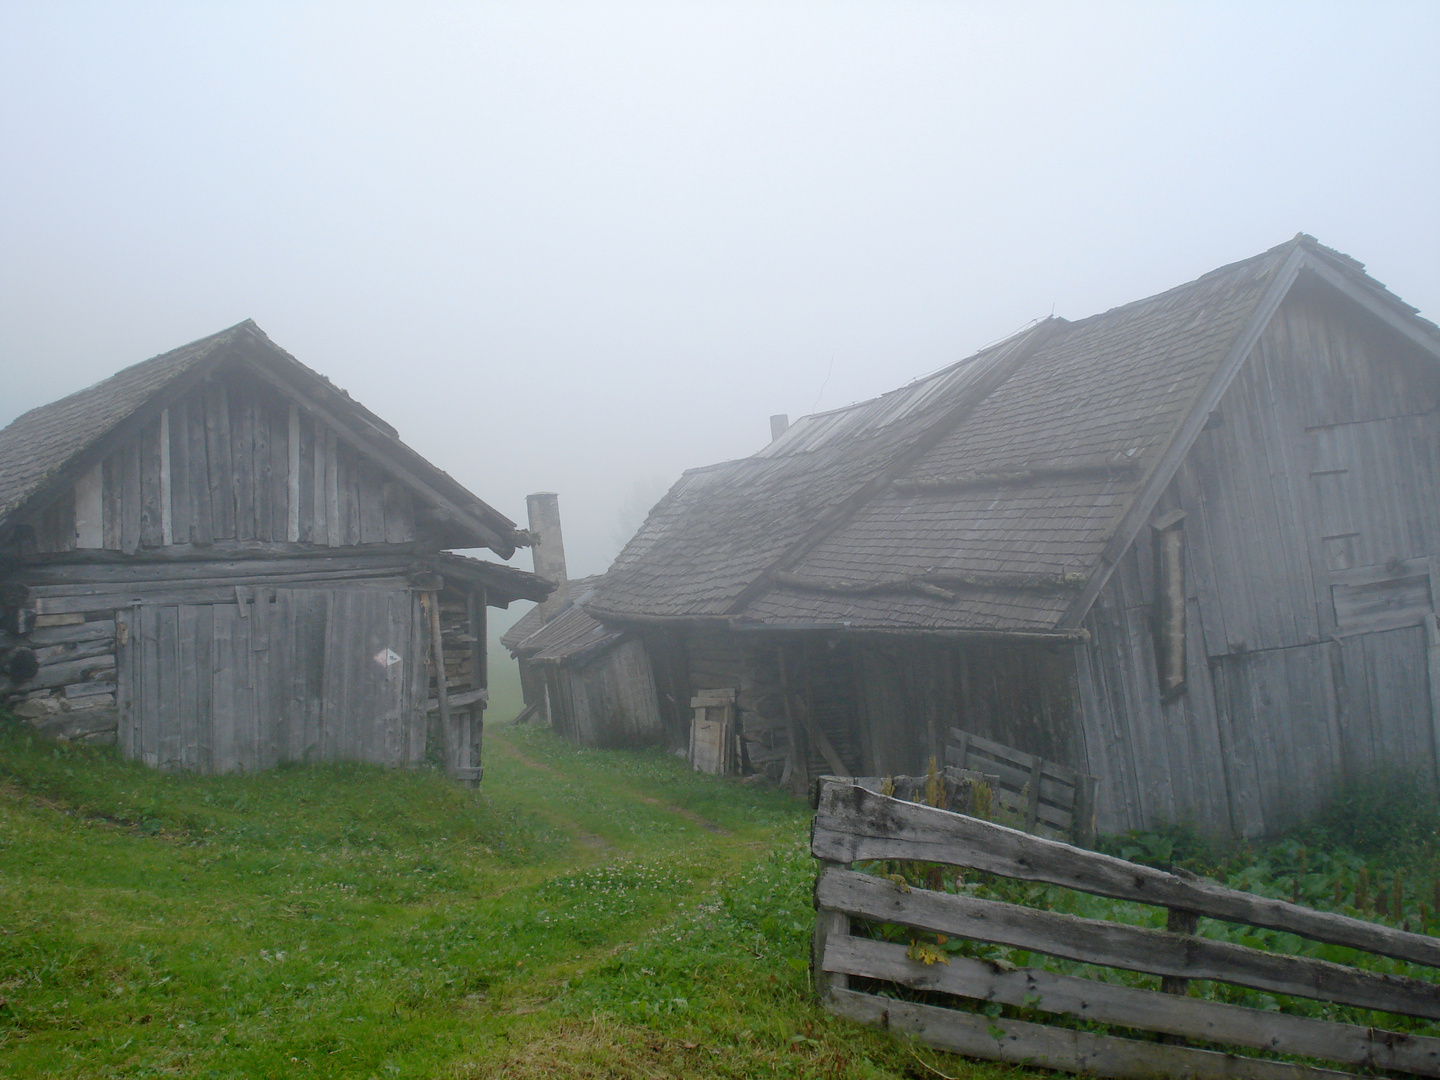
<point x="891" y="985"/>
<point x="1048" y="798"/>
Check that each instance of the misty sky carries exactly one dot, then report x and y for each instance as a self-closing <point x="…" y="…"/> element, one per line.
<point x="583" y="247"/>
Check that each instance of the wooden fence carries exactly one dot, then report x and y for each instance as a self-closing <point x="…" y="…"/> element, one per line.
<point x="1042" y="796"/>
<point x="855" y="825"/>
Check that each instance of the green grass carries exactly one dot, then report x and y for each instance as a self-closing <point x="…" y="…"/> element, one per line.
<point x="504" y="685"/>
<point x="586" y="914"/>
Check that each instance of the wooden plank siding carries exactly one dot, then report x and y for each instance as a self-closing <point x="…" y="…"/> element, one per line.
<point x="279" y="675"/>
<point x="219" y="465"/>
<point x="214" y="558"/>
<point x="609" y="701"/>
<point x="1310" y="528"/>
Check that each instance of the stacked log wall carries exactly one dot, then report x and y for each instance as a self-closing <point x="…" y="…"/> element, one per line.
<point x="73" y="695"/>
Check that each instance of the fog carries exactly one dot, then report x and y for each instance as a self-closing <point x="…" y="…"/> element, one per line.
<point x="583" y="247"/>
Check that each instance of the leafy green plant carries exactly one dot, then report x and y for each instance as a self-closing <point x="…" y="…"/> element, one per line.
<point x="1379" y="812"/>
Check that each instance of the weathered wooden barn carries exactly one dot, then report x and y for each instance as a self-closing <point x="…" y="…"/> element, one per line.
<point x="223" y="562"/>
<point x="1187" y="546"/>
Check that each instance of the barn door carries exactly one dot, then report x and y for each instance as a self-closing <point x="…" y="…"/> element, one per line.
<point x="279" y="675"/>
<point x="1386" y="677"/>
<point x="177" y="679"/>
<point x="373" y="657"/>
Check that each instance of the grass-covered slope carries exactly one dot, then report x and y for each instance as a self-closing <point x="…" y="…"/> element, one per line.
<point x="585" y="914"/>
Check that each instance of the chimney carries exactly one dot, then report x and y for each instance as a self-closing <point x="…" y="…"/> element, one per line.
<point x="778" y="423"/>
<point x="549" y="549"/>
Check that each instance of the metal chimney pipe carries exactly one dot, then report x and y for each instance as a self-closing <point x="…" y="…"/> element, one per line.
<point x="778" y="423"/>
<point x="549" y="549"/>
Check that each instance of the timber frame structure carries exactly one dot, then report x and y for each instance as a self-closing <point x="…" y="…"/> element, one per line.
<point x="223" y="562"/>
<point x="1189" y="546"/>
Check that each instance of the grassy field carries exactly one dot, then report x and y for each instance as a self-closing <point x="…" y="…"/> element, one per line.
<point x="587" y="914"/>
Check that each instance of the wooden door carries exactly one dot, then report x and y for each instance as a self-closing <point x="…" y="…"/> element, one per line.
<point x="279" y="675"/>
<point x="374" y="678"/>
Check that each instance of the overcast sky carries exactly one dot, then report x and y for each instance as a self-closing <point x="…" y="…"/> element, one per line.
<point x="583" y="247"/>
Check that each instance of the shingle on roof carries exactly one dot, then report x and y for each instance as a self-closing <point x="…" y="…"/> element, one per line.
<point x="559" y="602"/>
<point x="995" y="527"/>
<point x="40" y="443"/>
<point x="561" y="629"/>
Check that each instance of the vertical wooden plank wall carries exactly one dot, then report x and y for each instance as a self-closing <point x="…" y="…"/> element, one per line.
<point x="278" y="675"/>
<point x="1313" y="484"/>
<point x="232" y="460"/>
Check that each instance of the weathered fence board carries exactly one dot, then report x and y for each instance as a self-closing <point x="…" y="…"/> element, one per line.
<point x="854" y="824"/>
<point x="1024" y="1043"/>
<point x="1133" y="948"/>
<point x="1108" y="1003"/>
<point x="1042" y="792"/>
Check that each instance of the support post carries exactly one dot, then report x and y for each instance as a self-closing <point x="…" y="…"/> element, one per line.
<point x="479" y="680"/>
<point x="828" y="924"/>
<point x="453" y="751"/>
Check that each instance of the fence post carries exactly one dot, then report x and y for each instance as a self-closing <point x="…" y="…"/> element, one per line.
<point x="828" y="924"/>
<point x="1178" y="921"/>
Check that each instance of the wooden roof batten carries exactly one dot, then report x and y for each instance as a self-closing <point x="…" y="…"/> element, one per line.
<point x="902" y="536"/>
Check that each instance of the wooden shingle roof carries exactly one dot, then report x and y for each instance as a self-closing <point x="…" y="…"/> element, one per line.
<point x="561" y="630"/>
<point x="990" y="497"/>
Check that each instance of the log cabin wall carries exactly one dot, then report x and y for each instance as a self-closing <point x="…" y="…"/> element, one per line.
<point x="721" y="660"/>
<point x="227" y="665"/>
<point x="230" y="469"/>
<point x="232" y="460"/>
<point x="1310" y="532"/>
<point x="233" y="586"/>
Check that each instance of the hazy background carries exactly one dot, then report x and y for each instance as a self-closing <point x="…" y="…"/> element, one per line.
<point x="583" y="247"/>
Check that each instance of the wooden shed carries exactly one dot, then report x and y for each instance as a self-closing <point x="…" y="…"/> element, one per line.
<point x="589" y="681"/>
<point x="1187" y="546"/>
<point x="224" y="562"/>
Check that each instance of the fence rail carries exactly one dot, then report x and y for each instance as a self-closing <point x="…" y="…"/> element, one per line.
<point x="853" y="824"/>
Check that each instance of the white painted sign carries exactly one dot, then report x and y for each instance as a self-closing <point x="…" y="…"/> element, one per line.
<point x="387" y="658"/>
